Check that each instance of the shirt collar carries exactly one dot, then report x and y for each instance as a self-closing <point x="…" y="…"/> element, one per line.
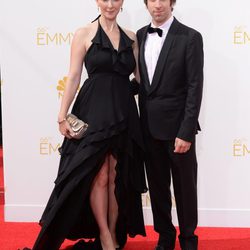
<point x="165" y="26"/>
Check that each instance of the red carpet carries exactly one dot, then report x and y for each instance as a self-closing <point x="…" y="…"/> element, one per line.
<point x="1" y="178"/>
<point x="17" y="235"/>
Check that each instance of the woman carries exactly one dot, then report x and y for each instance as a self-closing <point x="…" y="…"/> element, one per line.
<point x="98" y="189"/>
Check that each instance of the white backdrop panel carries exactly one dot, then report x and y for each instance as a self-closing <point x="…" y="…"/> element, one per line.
<point x="34" y="48"/>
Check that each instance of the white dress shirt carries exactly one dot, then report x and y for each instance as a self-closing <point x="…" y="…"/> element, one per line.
<point x="153" y="46"/>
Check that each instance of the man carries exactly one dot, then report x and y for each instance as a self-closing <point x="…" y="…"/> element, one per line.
<point x="171" y="68"/>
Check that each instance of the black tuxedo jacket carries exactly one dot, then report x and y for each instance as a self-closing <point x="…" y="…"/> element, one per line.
<point x="170" y="106"/>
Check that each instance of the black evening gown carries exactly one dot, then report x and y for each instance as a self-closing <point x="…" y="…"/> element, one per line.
<point x="107" y="104"/>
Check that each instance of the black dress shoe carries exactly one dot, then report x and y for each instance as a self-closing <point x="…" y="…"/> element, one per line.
<point x="166" y="241"/>
<point x="159" y="247"/>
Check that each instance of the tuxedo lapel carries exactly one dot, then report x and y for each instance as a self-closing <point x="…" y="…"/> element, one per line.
<point x="144" y="70"/>
<point x="163" y="55"/>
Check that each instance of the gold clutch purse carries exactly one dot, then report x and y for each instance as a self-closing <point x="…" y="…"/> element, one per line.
<point x="77" y="126"/>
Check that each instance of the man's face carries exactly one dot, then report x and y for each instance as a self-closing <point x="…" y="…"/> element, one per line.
<point x="160" y="10"/>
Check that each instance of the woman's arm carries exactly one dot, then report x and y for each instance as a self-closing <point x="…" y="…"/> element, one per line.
<point x="78" y="51"/>
<point x="136" y="80"/>
<point x="136" y="53"/>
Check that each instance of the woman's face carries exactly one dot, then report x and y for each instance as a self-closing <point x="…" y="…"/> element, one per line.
<point x="109" y="8"/>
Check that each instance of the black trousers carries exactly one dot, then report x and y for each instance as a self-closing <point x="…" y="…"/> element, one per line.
<point x="161" y="163"/>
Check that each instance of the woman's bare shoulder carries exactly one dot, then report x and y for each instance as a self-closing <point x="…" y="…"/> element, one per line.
<point x="85" y="32"/>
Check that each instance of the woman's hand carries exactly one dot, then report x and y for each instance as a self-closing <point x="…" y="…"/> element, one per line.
<point x="65" y="129"/>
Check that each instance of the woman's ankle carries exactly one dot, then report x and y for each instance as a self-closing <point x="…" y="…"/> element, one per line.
<point x="115" y="242"/>
<point x="106" y="240"/>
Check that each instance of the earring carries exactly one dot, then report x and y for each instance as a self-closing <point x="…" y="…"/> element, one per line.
<point x="121" y="9"/>
<point x="98" y="9"/>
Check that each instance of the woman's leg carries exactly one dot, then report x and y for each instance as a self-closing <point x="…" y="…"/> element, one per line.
<point x="99" y="205"/>
<point x="113" y="207"/>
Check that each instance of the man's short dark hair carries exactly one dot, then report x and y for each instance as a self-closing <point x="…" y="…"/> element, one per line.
<point x="171" y="1"/>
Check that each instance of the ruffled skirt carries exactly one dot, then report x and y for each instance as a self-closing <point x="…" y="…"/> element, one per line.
<point x="106" y="103"/>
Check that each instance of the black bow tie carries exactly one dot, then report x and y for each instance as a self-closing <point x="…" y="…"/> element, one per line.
<point x="153" y="30"/>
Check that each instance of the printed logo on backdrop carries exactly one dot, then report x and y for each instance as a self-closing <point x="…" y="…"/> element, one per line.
<point x="241" y="35"/>
<point x="61" y="84"/>
<point x="241" y="148"/>
<point x="48" y="146"/>
<point x="46" y="37"/>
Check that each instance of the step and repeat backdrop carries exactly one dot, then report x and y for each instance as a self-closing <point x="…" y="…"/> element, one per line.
<point x="35" y="38"/>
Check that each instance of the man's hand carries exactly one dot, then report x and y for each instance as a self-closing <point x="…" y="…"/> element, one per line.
<point x="181" y="146"/>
